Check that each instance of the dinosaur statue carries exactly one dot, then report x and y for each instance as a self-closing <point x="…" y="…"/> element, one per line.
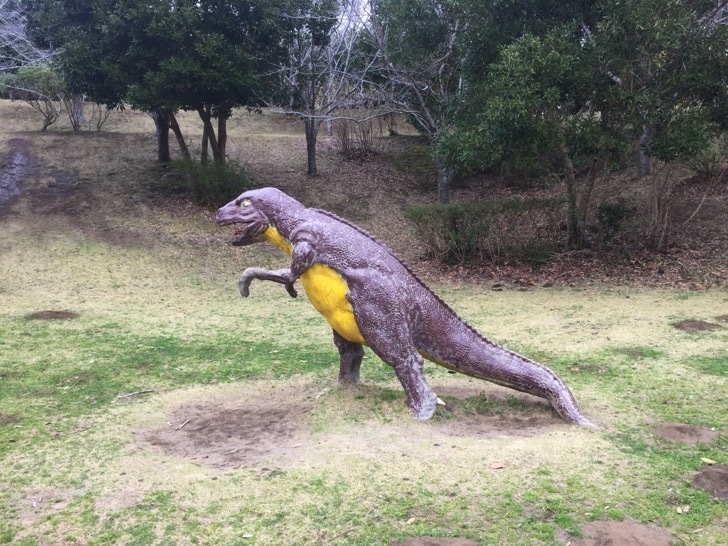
<point x="369" y="297"/>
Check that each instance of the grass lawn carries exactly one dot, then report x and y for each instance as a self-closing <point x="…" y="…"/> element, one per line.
<point x="156" y="406"/>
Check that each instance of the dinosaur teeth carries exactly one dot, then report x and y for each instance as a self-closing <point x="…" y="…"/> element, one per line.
<point x="242" y="227"/>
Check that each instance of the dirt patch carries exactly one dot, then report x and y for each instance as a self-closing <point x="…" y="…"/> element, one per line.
<point x="714" y="480"/>
<point x="472" y="413"/>
<point x="434" y="541"/>
<point x="496" y="426"/>
<point x="52" y="315"/>
<point x="696" y="326"/>
<point x="233" y="436"/>
<point x="119" y="500"/>
<point x="53" y="196"/>
<point x="8" y="419"/>
<point x="623" y="533"/>
<point x="722" y="318"/>
<point x="686" y="434"/>
<point x="37" y="503"/>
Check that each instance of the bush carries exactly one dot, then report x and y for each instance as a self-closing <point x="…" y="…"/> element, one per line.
<point x="612" y="214"/>
<point x="710" y="164"/>
<point x="40" y="86"/>
<point x="525" y="230"/>
<point x="357" y="138"/>
<point x="212" y="183"/>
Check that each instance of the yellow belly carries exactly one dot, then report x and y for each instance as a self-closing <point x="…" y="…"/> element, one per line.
<point x="327" y="291"/>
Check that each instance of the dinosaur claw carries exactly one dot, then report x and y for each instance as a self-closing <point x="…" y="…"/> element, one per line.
<point x="244" y="288"/>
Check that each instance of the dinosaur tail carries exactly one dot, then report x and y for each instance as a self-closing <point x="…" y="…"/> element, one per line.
<point x="483" y="359"/>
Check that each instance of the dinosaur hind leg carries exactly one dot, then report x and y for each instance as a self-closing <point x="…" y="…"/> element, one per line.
<point x="409" y="369"/>
<point x="395" y="347"/>
<point x="351" y="356"/>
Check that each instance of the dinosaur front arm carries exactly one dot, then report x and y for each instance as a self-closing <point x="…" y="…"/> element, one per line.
<point x="303" y="257"/>
<point x="281" y="276"/>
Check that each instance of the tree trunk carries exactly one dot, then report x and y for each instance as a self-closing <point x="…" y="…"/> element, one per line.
<point x="161" y="122"/>
<point x="74" y="108"/>
<point x="576" y="236"/>
<point x="205" y="139"/>
<point x="221" y="138"/>
<point x="661" y="218"/>
<point x="644" y="165"/>
<point x="312" y="127"/>
<point x="444" y="177"/>
<point x="205" y="147"/>
<point x="223" y="115"/>
<point x="180" y="137"/>
<point x="583" y="210"/>
<point x="575" y="233"/>
<point x="206" y="116"/>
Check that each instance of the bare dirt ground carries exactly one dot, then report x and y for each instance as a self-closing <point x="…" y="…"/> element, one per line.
<point x="622" y="533"/>
<point x="714" y="480"/>
<point x="225" y="434"/>
<point x="691" y="325"/>
<point x="686" y="434"/>
<point x="235" y="435"/>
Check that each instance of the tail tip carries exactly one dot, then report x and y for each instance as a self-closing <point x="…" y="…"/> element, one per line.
<point x="584" y="422"/>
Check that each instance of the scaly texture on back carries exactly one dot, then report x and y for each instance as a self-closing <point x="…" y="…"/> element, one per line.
<point x="415" y="277"/>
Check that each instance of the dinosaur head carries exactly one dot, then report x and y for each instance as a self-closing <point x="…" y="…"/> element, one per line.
<point x="257" y="210"/>
<point x="245" y="211"/>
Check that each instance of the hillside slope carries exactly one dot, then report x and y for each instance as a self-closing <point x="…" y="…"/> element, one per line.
<point x="109" y="186"/>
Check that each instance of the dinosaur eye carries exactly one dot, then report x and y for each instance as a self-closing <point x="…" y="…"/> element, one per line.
<point x="244" y="203"/>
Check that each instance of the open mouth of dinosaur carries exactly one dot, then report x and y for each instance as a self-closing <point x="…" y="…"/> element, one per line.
<point x="241" y="229"/>
<point x="243" y="232"/>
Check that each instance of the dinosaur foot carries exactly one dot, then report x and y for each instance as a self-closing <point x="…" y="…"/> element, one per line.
<point x="426" y="408"/>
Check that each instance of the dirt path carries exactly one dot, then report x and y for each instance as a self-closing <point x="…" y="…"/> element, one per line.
<point x="15" y="165"/>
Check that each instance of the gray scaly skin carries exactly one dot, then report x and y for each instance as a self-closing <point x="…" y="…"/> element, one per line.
<point x="398" y="317"/>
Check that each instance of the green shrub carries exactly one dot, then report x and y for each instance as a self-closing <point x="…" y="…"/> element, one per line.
<point x="711" y="163"/>
<point x="40" y="86"/>
<point x="612" y="214"/>
<point x="523" y="230"/>
<point x="212" y="183"/>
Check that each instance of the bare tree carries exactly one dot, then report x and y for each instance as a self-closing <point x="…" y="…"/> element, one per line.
<point x="16" y="49"/>
<point x="99" y="114"/>
<point x="46" y="106"/>
<point x="418" y="65"/>
<point x="325" y="72"/>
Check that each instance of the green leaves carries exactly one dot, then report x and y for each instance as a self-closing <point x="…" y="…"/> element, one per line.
<point x="685" y="133"/>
